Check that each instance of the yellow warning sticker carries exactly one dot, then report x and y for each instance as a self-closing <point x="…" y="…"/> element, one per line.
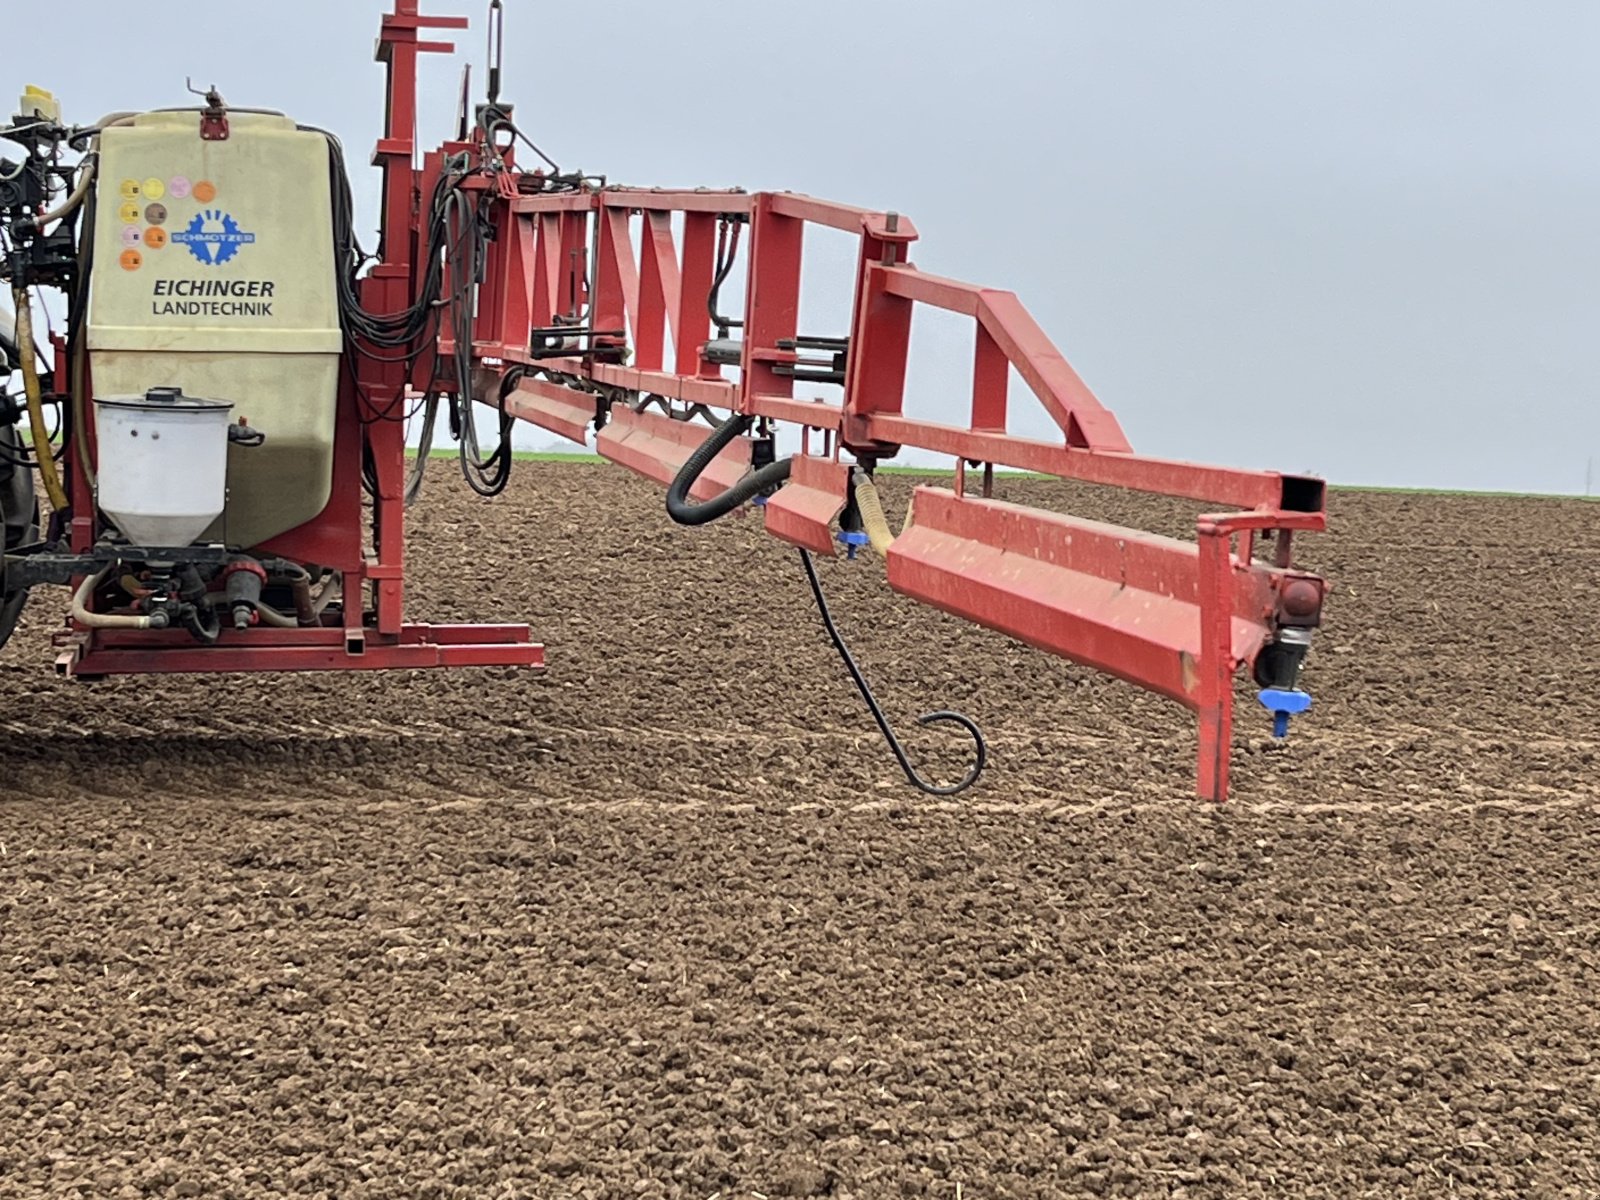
<point x="130" y="189"/>
<point x="129" y="213"/>
<point x="132" y="260"/>
<point x="154" y="189"/>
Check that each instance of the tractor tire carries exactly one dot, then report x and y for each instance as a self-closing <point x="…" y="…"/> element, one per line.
<point x="19" y="517"/>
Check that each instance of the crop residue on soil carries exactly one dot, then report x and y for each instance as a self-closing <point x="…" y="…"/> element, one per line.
<point x="664" y="921"/>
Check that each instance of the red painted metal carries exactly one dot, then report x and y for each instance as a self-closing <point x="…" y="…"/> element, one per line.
<point x="1155" y="611"/>
<point x="1087" y="424"/>
<point x="714" y="392"/>
<point x="871" y="416"/>
<point x="805" y="508"/>
<point x="1082" y="589"/>
<point x="129" y="652"/>
<point x="772" y="299"/>
<point x="661" y="288"/>
<point x="1176" y="617"/>
<point x="656" y="446"/>
<point x="551" y="406"/>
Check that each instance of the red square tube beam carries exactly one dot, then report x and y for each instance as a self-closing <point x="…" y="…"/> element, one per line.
<point x="656" y="446"/>
<point x="1123" y="602"/>
<point x="561" y="410"/>
<point x="93" y="654"/>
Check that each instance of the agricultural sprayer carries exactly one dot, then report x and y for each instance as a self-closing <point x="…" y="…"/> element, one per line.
<point x="220" y="426"/>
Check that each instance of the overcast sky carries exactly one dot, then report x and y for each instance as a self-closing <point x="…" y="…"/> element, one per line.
<point x="1356" y="237"/>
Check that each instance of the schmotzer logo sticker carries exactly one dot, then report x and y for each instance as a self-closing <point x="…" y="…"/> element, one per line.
<point x="213" y="237"/>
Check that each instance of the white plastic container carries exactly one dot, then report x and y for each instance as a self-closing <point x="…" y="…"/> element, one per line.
<point x="163" y="465"/>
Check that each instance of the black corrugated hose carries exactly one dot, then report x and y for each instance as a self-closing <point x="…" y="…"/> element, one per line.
<point x="686" y="512"/>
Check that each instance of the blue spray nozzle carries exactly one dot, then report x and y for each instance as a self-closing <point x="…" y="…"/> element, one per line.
<point x="852" y="541"/>
<point x="1284" y="703"/>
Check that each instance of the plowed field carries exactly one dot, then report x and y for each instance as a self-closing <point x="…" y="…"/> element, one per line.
<point x="665" y="922"/>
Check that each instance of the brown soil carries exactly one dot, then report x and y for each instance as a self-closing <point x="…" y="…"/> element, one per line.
<point x="664" y="922"/>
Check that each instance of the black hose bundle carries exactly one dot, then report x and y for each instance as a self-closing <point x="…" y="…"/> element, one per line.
<point x="449" y="269"/>
<point x="408" y="330"/>
<point x="466" y="255"/>
<point x="686" y="512"/>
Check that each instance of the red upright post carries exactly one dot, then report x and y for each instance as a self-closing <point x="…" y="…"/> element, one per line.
<point x="1216" y="665"/>
<point x="991" y="380"/>
<point x="772" y="306"/>
<point x="880" y="348"/>
<point x="381" y="386"/>
<point x="659" y="291"/>
<point x="617" y="278"/>
<point x="694" y="320"/>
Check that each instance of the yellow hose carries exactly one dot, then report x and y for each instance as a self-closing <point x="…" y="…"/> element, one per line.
<point x="95" y="620"/>
<point x="30" y="382"/>
<point x="873" y="519"/>
<point x="70" y="204"/>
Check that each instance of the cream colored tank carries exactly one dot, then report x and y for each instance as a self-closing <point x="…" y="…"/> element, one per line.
<point x="214" y="272"/>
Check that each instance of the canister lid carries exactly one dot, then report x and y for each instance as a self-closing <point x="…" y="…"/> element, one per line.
<point x="162" y="399"/>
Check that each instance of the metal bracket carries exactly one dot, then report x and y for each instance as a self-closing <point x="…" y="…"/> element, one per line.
<point x="214" y="117"/>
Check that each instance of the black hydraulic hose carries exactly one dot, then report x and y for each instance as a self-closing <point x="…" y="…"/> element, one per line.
<point x="727" y="251"/>
<point x="980" y="748"/>
<point x="686" y="512"/>
<point x="203" y="622"/>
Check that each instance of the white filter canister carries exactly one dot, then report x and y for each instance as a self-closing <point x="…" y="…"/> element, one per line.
<point x="163" y="465"/>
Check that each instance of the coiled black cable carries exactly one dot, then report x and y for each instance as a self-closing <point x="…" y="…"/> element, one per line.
<point x="945" y="716"/>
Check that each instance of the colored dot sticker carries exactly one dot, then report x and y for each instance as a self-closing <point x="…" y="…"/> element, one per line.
<point x="130" y="235"/>
<point x="179" y="187"/>
<point x="132" y="260"/>
<point x="154" y="189"/>
<point x="205" y="191"/>
<point x="155" y="238"/>
<point x="156" y="214"/>
<point x="130" y="189"/>
<point x="129" y="213"/>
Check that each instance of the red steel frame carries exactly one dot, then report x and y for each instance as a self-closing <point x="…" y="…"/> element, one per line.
<point x="370" y="554"/>
<point x="1176" y="617"/>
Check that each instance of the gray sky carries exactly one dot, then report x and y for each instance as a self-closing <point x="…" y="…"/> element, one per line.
<point x="1358" y="238"/>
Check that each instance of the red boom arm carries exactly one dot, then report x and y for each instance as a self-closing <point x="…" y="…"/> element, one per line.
<point x="593" y="313"/>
